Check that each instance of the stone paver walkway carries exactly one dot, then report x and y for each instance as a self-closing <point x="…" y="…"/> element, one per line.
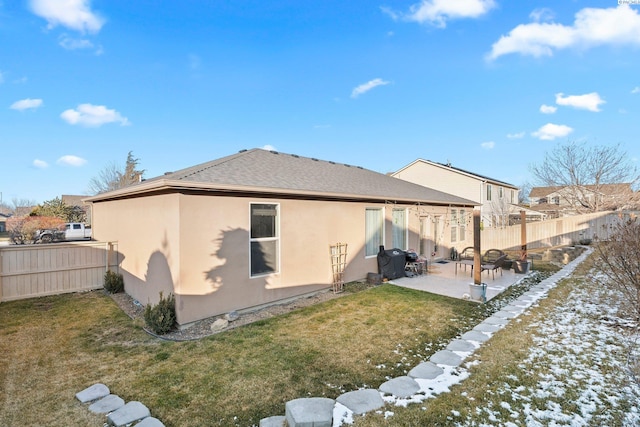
<point x="426" y="380"/>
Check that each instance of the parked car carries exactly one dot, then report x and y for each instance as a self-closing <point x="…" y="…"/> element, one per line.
<point x="72" y="231"/>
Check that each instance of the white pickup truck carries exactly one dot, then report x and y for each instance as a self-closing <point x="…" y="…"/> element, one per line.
<point x="73" y="231"/>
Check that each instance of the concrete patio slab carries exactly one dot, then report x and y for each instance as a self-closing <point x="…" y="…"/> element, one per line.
<point x="361" y="401"/>
<point x="94" y="392"/>
<point x="442" y="279"/>
<point x="310" y="412"/>
<point x="426" y="371"/>
<point x="401" y="387"/>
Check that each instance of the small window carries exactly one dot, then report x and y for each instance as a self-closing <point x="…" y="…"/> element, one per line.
<point x="500" y="192"/>
<point x="373" y="229"/>
<point x="488" y="192"/>
<point x="264" y="239"/>
<point x="77" y="226"/>
<point x="399" y="231"/>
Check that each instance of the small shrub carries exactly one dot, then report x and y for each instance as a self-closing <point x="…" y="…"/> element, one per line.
<point x="113" y="282"/>
<point x="161" y="318"/>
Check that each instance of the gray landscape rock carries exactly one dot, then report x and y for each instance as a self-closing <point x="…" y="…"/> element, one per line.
<point x="401" y="387"/>
<point x="447" y="358"/>
<point x="461" y="345"/>
<point x="219" y="325"/>
<point x="150" y="422"/>
<point x="426" y="371"/>
<point x="107" y="404"/>
<point x="361" y="401"/>
<point x="232" y="316"/>
<point x="96" y="391"/>
<point x="310" y="412"/>
<point x="475" y="336"/>
<point x="277" y="421"/>
<point x="127" y="414"/>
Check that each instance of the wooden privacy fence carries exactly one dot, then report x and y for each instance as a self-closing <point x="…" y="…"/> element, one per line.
<point x="554" y="232"/>
<point x="28" y="271"/>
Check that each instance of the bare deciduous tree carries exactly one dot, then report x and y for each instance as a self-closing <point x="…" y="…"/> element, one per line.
<point x="113" y="177"/>
<point x="583" y="173"/>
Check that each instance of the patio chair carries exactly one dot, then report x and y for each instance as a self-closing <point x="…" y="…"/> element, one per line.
<point x="497" y="264"/>
<point x="491" y="255"/>
<point x="467" y="253"/>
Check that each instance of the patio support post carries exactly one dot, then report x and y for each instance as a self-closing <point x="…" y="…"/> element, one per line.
<point x="477" y="270"/>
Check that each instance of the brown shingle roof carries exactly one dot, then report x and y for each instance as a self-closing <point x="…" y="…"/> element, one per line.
<point x="271" y="171"/>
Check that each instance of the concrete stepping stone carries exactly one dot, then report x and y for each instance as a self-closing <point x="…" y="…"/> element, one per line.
<point x="461" y="345"/>
<point x="426" y="371"/>
<point x="277" y="421"/>
<point x="504" y="314"/>
<point x="309" y="412"/>
<point x="151" y="422"/>
<point x="514" y="307"/>
<point x="127" y="414"/>
<point x="107" y="404"/>
<point x="494" y="320"/>
<point x="475" y="336"/>
<point x="94" y="392"/>
<point x="486" y="327"/>
<point x="401" y="387"/>
<point x="361" y="401"/>
<point x="447" y="358"/>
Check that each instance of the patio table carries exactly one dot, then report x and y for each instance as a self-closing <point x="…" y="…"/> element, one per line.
<point x="464" y="262"/>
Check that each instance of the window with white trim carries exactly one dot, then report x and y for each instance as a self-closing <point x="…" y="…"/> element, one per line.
<point x="462" y="225"/>
<point x="454" y="225"/>
<point x="373" y="229"/>
<point x="399" y="228"/>
<point x="488" y="192"/>
<point x="264" y="239"/>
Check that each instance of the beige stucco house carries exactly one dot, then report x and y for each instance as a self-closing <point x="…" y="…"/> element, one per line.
<point x="255" y="227"/>
<point x="497" y="200"/>
<point x="558" y="201"/>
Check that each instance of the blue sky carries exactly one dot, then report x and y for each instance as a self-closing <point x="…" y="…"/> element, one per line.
<point x="488" y="85"/>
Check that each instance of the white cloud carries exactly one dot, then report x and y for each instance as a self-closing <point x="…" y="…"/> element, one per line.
<point x="73" y="14"/>
<point x="541" y="15"/>
<point x="488" y="145"/>
<point x="269" y="148"/>
<point x="548" y="109"/>
<point x="438" y="12"/>
<point x="589" y="101"/>
<point x="70" y="160"/>
<point x="366" y="87"/>
<point x="551" y="131"/>
<point x="70" y="43"/>
<point x="516" y="135"/>
<point x="26" y="104"/>
<point x="40" y="164"/>
<point x="592" y="27"/>
<point x="93" y="116"/>
<point x="635" y="90"/>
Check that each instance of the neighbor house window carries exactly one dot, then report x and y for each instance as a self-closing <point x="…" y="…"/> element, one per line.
<point x="373" y="229"/>
<point x="399" y="230"/>
<point x="265" y="239"/>
<point x="488" y="192"/>
<point x="500" y="194"/>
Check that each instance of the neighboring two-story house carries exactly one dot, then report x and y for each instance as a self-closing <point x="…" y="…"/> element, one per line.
<point x="558" y="201"/>
<point x="497" y="200"/>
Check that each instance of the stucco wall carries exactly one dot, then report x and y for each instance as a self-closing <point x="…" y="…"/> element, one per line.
<point x="197" y="246"/>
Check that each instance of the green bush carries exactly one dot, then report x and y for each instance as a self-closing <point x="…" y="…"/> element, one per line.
<point x="161" y="318"/>
<point x="113" y="282"/>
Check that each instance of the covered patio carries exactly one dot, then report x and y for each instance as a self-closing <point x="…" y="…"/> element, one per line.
<point x="443" y="279"/>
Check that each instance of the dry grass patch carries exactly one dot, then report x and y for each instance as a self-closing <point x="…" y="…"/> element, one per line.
<point x="56" y="346"/>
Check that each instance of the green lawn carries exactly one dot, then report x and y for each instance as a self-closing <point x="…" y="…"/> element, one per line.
<point x="53" y="347"/>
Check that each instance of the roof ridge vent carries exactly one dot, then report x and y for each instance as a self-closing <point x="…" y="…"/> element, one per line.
<point x="273" y="152"/>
